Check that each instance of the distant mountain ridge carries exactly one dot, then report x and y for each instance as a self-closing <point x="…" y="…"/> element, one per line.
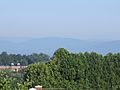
<point x="49" y="45"/>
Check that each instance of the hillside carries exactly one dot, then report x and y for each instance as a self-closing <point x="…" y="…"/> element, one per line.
<point x="49" y="45"/>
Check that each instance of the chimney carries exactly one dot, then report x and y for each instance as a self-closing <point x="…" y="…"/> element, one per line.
<point x="38" y="87"/>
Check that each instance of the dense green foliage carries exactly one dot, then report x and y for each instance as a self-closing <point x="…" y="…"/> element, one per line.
<point x="76" y="71"/>
<point x="10" y="80"/>
<point x="72" y="71"/>
<point x="7" y="59"/>
<point x="5" y="81"/>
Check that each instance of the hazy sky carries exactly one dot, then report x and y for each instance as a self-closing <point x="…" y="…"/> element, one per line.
<point x="83" y="19"/>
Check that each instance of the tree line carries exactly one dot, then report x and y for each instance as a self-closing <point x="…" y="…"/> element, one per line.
<point x="6" y="59"/>
<point x="76" y="71"/>
<point x="73" y="71"/>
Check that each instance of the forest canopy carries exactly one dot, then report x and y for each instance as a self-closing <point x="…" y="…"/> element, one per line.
<point x="71" y="71"/>
<point x="6" y="59"/>
<point x="75" y="71"/>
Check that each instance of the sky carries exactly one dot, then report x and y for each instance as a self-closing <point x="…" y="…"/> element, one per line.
<point x="81" y="19"/>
